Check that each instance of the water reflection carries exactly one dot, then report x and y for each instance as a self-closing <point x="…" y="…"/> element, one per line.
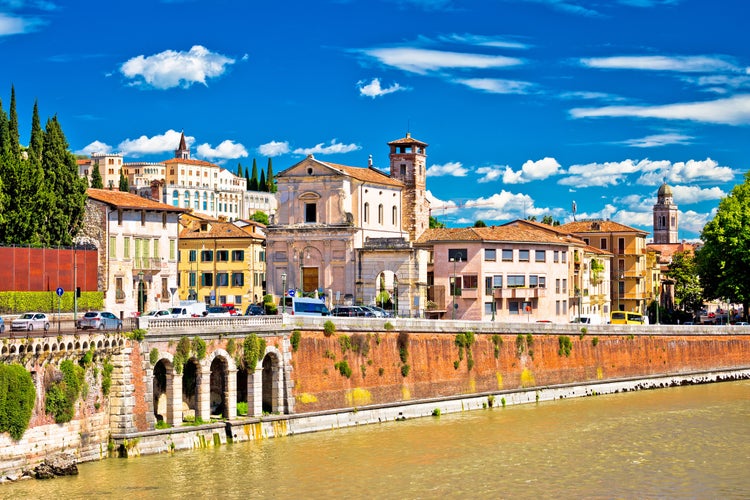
<point x="685" y="442"/>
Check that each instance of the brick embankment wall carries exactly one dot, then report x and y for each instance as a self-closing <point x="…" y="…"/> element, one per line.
<point x="500" y="362"/>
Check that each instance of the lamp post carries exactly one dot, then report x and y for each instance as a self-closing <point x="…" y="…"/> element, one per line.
<point x="283" y="293"/>
<point x="620" y="276"/>
<point x="395" y="296"/>
<point x="453" y="308"/>
<point x="140" y="293"/>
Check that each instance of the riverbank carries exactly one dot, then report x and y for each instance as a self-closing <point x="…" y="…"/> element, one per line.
<point x="274" y="426"/>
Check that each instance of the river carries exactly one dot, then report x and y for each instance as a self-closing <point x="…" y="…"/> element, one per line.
<point x="683" y="442"/>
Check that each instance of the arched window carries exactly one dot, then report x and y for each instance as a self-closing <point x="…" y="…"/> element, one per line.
<point x="380" y="214"/>
<point x="197" y="200"/>
<point x="176" y="198"/>
<point x="212" y="202"/>
<point x="366" y="215"/>
<point x="394" y="216"/>
<point x="205" y="200"/>
<point x="186" y="200"/>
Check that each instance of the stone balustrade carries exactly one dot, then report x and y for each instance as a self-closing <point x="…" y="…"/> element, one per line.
<point x="78" y="342"/>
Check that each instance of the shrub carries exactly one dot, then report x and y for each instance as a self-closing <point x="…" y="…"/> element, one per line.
<point x="294" y="340"/>
<point x="162" y="424"/>
<point x="153" y="356"/>
<point x="595" y="341"/>
<point x="61" y="395"/>
<point x="520" y="344"/>
<point x="329" y="328"/>
<point x="403" y="346"/>
<point x="345" y="342"/>
<point x="343" y="368"/>
<point x="242" y="408"/>
<point x="388" y="326"/>
<point x="566" y="345"/>
<point x="17" y="396"/>
<point x="497" y="340"/>
<point x="254" y="348"/>
<point x="138" y="334"/>
<point x="88" y="357"/>
<point x="436" y="412"/>
<point x="405" y="370"/>
<point x="199" y="346"/>
<point x="231" y="347"/>
<point x="107" y="377"/>
<point x="361" y="343"/>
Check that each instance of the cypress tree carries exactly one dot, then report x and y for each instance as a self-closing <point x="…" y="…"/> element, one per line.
<point x="269" y="178"/>
<point x="36" y="142"/>
<point x="239" y="170"/>
<point x="254" y="177"/>
<point x="15" y="141"/>
<point x="66" y="190"/>
<point x="4" y="134"/>
<point x="96" y="176"/>
<point x="123" y="181"/>
<point x="262" y="186"/>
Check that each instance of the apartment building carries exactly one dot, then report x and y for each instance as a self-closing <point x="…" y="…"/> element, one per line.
<point x="221" y="262"/>
<point x="137" y="244"/>
<point x="108" y="164"/>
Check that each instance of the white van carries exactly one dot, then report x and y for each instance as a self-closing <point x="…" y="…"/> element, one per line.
<point x="588" y="319"/>
<point x="188" y="309"/>
<point x="303" y="306"/>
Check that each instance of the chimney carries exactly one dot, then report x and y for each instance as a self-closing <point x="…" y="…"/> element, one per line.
<point x="369" y="162"/>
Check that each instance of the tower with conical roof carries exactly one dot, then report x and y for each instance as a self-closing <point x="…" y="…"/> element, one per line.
<point x="665" y="217"/>
<point x="183" y="151"/>
<point x="408" y="160"/>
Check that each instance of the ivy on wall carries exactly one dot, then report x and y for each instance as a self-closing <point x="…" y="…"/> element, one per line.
<point x="17" y="396"/>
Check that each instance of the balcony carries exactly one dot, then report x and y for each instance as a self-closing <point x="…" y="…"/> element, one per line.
<point x="147" y="264"/>
<point x="519" y="293"/>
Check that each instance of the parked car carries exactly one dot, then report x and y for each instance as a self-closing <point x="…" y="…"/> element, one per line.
<point x="379" y="312"/>
<point x="255" y="310"/>
<point x="188" y="309"/>
<point x="2" y="326"/>
<point x="217" y="311"/>
<point x="161" y="313"/>
<point x="302" y="306"/>
<point x="31" y="321"/>
<point x="357" y="311"/>
<point x="100" y="320"/>
<point x="232" y="310"/>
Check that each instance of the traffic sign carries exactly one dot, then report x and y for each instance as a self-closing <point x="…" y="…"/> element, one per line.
<point x="291" y="292"/>
<point x="59" y="291"/>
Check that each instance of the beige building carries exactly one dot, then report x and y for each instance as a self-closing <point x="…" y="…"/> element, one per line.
<point x="137" y="242"/>
<point x="109" y="165"/>
<point x="344" y="231"/>
<point x="221" y="262"/>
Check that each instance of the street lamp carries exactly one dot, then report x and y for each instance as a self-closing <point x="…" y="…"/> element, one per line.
<point x="140" y="293"/>
<point x="395" y="296"/>
<point x="453" y="311"/>
<point x="283" y="293"/>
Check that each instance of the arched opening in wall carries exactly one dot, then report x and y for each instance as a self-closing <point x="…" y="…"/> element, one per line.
<point x="269" y="384"/>
<point x="160" y="391"/>
<point x="382" y="293"/>
<point x="242" y="392"/>
<point x="219" y="388"/>
<point x="189" y="389"/>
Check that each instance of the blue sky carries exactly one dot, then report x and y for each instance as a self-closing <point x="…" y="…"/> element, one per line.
<point x="527" y="105"/>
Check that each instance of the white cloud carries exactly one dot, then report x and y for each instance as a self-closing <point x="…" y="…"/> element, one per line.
<point x="373" y="89"/>
<point x="489" y="174"/>
<point x="532" y="171"/>
<point x="693" y="170"/>
<point x="599" y="174"/>
<point x="687" y="195"/>
<point x="730" y="111"/>
<point x="227" y="150"/>
<point x="497" y="85"/>
<point x="682" y="64"/>
<point x="421" y="61"/>
<point x="503" y="206"/>
<point x="274" y="148"/>
<point x="333" y="148"/>
<point x="168" y="141"/>
<point x="453" y="168"/>
<point x="634" y="219"/>
<point x="172" y="68"/>
<point x="17" y="25"/>
<point x="658" y="140"/>
<point x="95" y="147"/>
<point x="693" y="222"/>
<point x="483" y="41"/>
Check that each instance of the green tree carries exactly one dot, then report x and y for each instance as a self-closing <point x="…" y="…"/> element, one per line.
<point x="480" y="223"/>
<point x="262" y="185"/>
<point x="124" y="186"/>
<point x="254" y="177"/>
<point x="272" y="188"/>
<point x="547" y="219"/>
<point x="239" y="170"/>
<point x="683" y="270"/>
<point x="15" y="141"/>
<point x="434" y="223"/>
<point x="36" y="142"/>
<point x="65" y="190"/>
<point x="247" y="179"/>
<point x="724" y="259"/>
<point x="261" y="217"/>
<point x="17" y="396"/>
<point x="96" y="176"/>
<point x="4" y="132"/>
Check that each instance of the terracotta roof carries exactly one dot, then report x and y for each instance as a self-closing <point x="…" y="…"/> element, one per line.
<point x="189" y="161"/>
<point x="367" y="175"/>
<point x="121" y="199"/>
<point x="218" y="230"/>
<point x="407" y="140"/>
<point x="83" y="161"/>
<point x="667" y="250"/>
<point x="507" y="233"/>
<point x="598" y="251"/>
<point x="598" y="226"/>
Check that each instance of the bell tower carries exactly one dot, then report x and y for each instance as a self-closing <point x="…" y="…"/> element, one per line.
<point x="665" y="217"/>
<point x="408" y="160"/>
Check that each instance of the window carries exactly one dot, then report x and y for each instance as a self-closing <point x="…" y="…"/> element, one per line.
<point x="565" y="285"/>
<point x="165" y="293"/>
<point x="172" y="249"/>
<point x="603" y="243"/>
<point x="366" y="214"/>
<point x="380" y="214"/>
<point x="513" y="307"/>
<point x="470" y="281"/>
<point x="126" y="247"/>
<point x="175" y="198"/>
<point x="537" y="281"/>
<point x="207" y="256"/>
<point x="112" y="247"/>
<point x="156" y="253"/>
<point x="497" y="281"/>
<point x="238" y="279"/>
<point x="540" y="255"/>
<point x="620" y="245"/>
<point x="557" y="285"/>
<point x="516" y="280"/>
<point x="523" y="255"/>
<point x="490" y="254"/>
<point x="119" y="292"/>
<point x="403" y="170"/>
<point x="564" y="257"/>
<point x="192" y="255"/>
<point x="457" y="254"/>
<point x="488" y="285"/>
<point x="222" y="279"/>
<point x="394" y="216"/>
<point x="488" y="308"/>
<point x="191" y="280"/>
<point x="222" y="256"/>
<point x="456" y="285"/>
<point x="207" y="279"/>
<point x="238" y="255"/>
<point x="507" y="255"/>
<point x="311" y="213"/>
<point x="556" y="256"/>
<point x="262" y="256"/>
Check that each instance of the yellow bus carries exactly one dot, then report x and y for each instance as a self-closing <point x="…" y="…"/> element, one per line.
<point x="626" y="318"/>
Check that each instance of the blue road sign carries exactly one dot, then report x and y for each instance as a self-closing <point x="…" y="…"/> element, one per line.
<point x="60" y="291"/>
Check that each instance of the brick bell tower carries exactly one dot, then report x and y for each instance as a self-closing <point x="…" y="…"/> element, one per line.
<point x="409" y="164"/>
<point x="665" y="216"/>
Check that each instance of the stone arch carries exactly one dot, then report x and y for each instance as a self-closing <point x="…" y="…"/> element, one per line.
<point x="4" y="351"/>
<point x="70" y="346"/>
<point x="13" y="349"/>
<point x="38" y="348"/>
<point x="167" y="391"/>
<point x="78" y="346"/>
<point x="222" y="384"/>
<point x="191" y="390"/>
<point x="85" y="346"/>
<point x="272" y="385"/>
<point x="54" y="347"/>
<point x="99" y="344"/>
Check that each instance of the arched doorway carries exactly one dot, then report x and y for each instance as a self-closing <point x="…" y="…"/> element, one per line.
<point x="218" y="395"/>
<point x="384" y="292"/>
<point x="190" y="390"/>
<point x="160" y="391"/>
<point x="268" y="384"/>
<point x="242" y="392"/>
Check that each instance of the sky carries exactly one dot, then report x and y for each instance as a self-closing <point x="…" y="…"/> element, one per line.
<point x="529" y="107"/>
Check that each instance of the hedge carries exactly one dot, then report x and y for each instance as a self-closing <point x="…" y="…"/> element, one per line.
<point x="18" y="302"/>
<point x="17" y="397"/>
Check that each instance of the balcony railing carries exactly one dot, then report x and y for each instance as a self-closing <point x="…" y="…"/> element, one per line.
<point x="519" y="293"/>
<point x="147" y="263"/>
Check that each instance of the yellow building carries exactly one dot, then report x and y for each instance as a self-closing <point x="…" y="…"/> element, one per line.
<point x="630" y="273"/>
<point x="222" y="262"/>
